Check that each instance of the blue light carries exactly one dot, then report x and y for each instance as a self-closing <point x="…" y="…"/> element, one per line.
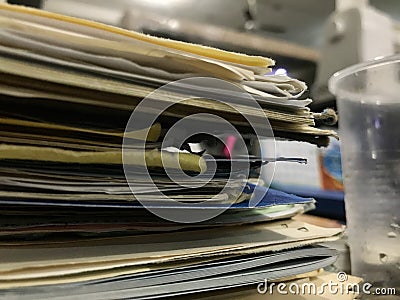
<point x="280" y="71"/>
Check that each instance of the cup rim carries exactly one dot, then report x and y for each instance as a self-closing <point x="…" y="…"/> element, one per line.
<point x="376" y="62"/>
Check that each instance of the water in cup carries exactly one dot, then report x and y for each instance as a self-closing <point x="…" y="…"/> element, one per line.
<point x="372" y="189"/>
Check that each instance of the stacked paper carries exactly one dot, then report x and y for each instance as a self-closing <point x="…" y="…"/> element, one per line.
<point x="97" y="201"/>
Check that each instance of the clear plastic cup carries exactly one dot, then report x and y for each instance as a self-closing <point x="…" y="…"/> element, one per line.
<point x="368" y="99"/>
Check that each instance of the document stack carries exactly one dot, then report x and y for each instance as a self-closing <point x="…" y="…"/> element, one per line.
<point x="126" y="165"/>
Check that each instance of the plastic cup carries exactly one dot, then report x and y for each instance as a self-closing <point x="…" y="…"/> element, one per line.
<point x="368" y="99"/>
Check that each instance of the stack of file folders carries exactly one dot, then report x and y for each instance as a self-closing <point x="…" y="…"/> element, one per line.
<point x="90" y="203"/>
